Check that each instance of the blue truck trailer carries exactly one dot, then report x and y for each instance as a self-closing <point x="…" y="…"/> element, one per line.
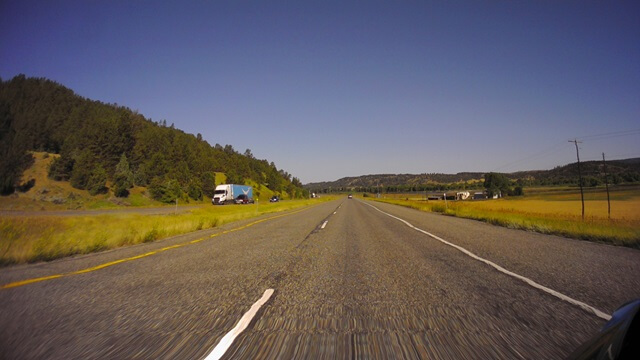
<point x="229" y="193"/>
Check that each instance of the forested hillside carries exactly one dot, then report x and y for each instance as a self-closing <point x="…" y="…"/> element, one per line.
<point x="105" y="147"/>
<point x="618" y="172"/>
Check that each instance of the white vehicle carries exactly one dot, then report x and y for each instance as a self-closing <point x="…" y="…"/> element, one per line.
<point x="228" y="193"/>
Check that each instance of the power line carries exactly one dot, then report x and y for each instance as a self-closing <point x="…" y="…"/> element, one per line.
<point x="611" y="134"/>
<point x="560" y="146"/>
<point x="549" y="151"/>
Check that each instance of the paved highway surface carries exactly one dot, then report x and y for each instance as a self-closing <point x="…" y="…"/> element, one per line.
<point x="350" y="282"/>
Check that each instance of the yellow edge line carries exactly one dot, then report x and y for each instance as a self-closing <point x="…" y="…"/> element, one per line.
<point x="102" y="266"/>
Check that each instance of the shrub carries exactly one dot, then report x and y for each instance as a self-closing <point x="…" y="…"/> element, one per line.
<point x="151" y="235"/>
<point x="200" y="224"/>
<point x="518" y="191"/>
<point x="98" y="244"/>
<point x="26" y="186"/>
<point x="165" y="190"/>
<point x="121" y="191"/>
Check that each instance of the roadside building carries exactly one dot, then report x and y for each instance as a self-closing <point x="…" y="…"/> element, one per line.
<point x="450" y="195"/>
<point x="479" y="195"/>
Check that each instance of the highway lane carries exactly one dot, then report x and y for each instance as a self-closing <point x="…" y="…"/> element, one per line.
<point x="372" y="287"/>
<point x="175" y="304"/>
<point x="365" y="285"/>
<point x="601" y="275"/>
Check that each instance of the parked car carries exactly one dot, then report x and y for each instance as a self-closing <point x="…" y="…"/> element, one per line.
<point x="243" y="199"/>
<point x="274" y="198"/>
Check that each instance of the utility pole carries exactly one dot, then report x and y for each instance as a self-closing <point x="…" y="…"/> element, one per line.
<point x="576" y="142"/>
<point x="606" y="183"/>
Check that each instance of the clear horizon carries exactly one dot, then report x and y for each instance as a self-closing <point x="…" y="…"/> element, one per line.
<point x="340" y="89"/>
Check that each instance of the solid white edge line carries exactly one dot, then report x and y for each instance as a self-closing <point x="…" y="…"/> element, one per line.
<point x="586" y="307"/>
<point x="324" y="224"/>
<point x="227" y="340"/>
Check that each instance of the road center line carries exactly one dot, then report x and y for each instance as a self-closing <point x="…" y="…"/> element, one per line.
<point x="324" y="224"/>
<point x="111" y="263"/>
<point x="227" y="340"/>
<point x="588" y="308"/>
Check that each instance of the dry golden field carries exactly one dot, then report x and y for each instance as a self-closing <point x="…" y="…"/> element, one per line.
<point x="46" y="237"/>
<point x="550" y="210"/>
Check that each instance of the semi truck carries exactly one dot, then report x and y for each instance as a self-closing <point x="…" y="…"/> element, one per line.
<point x="228" y="193"/>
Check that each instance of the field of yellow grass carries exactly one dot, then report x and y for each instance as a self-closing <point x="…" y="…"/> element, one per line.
<point x="551" y="212"/>
<point x="42" y="238"/>
<point x="594" y="209"/>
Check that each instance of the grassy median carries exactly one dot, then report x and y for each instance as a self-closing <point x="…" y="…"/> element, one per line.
<point x="26" y="239"/>
<point x="549" y="213"/>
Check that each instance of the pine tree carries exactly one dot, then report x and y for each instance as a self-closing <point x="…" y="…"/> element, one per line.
<point x="123" y="177"/>
<point x="208" y="184"/>
<point x="97" y="181"/>
<point x="82" y="170"/>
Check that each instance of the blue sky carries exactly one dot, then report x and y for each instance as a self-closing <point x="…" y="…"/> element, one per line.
<point x="345" y="88"/>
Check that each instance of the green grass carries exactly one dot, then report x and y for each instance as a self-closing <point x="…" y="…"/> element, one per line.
<point x="221" y="178"/>
<point x="44" y="238"/>
<point x="139" y="199"/>
<point x="550" y="219"/>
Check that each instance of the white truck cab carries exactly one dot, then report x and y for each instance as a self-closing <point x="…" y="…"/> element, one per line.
<point x="227" y="193"/>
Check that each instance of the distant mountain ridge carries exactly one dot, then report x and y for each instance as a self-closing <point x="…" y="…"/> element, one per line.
<point x="625" y="170"/>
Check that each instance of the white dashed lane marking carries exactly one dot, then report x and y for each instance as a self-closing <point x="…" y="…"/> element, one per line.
<point x="227" y="340"/>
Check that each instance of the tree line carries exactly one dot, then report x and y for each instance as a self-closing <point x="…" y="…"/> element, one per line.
<point x="618" y="172"/>
<point x="99" y="142"/>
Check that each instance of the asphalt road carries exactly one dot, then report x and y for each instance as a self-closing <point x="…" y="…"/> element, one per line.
<point x="365" y="285"/>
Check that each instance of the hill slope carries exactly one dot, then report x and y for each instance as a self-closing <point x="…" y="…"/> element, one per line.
<point x="102" y="144"/>
<point x="620" y="171"/>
